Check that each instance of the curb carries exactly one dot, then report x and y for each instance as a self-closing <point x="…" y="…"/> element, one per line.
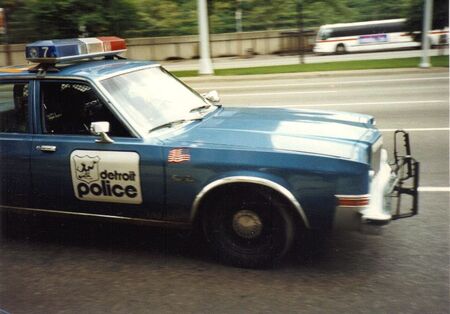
<point x="303" y="75"/>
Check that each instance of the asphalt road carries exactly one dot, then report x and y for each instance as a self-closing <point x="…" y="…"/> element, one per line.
<point x="66" y="266"/>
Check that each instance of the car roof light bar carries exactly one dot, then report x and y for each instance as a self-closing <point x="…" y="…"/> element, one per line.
<point x="65" y="50"/>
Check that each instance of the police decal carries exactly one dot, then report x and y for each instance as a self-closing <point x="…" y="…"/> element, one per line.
<point x="106" y="176"/>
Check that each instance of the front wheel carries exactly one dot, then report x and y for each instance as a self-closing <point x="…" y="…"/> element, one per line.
<point x="250" y="230"/>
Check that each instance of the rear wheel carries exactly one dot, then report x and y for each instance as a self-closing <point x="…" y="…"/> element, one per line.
<point x="340" y="49"/>
<point x="251" y="230"/>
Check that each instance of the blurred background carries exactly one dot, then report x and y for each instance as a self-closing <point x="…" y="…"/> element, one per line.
<point x="31" y="19"/>
<point x="238" y="27"/>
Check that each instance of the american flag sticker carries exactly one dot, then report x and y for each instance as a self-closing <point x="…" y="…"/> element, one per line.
<point x="178" y="155"/>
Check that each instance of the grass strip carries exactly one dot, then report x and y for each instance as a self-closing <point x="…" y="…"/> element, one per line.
<point x="436" y="61"/>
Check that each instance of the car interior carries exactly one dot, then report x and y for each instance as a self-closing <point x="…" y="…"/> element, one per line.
<point x="14" y="108"/>
<point x="69" y="108"/>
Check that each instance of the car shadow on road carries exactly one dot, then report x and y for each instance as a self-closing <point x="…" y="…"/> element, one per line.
<point x="324" y="252"/>
<point x="102" y="235"/>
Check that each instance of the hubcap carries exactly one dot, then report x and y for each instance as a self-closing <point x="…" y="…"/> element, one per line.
<point x="247" y="224"/>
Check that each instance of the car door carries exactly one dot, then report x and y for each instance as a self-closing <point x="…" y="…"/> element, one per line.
<point x="72" y="171"/>
<point x="15" y="143"/>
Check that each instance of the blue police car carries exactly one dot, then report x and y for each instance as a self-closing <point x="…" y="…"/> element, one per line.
<point x="86" y="132"/>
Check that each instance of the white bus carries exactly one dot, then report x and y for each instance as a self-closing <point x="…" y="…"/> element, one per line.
<point x="363" y="36"/>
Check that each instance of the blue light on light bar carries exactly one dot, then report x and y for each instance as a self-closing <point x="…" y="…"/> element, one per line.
<point x="60" y="50"/>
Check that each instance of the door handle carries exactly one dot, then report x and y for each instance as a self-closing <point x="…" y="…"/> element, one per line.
<point x="46" y="148"/>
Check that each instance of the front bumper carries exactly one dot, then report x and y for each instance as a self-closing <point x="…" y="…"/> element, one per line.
<point x="383" y="203"/>
<point x="319" y="49"/>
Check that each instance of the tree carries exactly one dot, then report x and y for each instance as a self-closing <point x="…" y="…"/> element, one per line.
<point x="37" y="19"/>
<point x="16" y="15"/>
<point x="166" y="18"/>
<point x="370" y="10"/>
<point x="415" y="19"/>
<point x="28" y="20"/>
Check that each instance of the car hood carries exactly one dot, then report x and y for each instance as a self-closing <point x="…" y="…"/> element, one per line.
<point x="339" y="134"/>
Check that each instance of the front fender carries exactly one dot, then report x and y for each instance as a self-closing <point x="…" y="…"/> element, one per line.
<point x="270" y="181"/>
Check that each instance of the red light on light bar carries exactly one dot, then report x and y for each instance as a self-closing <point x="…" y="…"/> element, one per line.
<point x="113" y="43"/>
<point x="353" y="200"/>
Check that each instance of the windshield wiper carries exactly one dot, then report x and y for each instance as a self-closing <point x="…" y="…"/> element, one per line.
<point x="200" y="108"/>
<point x="172" y="123"/>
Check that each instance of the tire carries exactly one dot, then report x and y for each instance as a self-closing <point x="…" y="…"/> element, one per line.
<point x="340" y="49"/>
<point x="250" y="230"/>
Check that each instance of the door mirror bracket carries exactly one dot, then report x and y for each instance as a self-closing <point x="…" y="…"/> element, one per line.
<point x="101" y="128"/>
<point x="212" y="96"/>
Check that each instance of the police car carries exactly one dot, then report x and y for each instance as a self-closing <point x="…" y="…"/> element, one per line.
<point x="86" y="132"/>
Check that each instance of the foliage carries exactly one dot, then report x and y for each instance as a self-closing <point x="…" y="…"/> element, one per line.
<point x="369" y="10"/>
<point x="165" y="18"/>
<point x="440" y="15"/>
<point x="36" y="19"/>
<point x="28" y="20"/>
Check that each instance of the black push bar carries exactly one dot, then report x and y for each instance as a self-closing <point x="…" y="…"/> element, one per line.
<point x="407" y="169"/>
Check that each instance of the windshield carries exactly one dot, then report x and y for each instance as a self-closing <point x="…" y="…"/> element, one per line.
<point x="324" y="34"/>
<point x="153" y="97"/>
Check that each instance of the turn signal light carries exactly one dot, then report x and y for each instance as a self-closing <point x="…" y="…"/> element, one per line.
<point x="353" y="200"/>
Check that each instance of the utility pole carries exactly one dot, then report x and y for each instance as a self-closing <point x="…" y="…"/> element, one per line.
<point x="427" y="24"/>
<point x="2" y="21"/>
<point x="301" y="39"/>
<point x="238" y="17"/>
<point x="4" y="32"/>
<point x="205" y="65"/>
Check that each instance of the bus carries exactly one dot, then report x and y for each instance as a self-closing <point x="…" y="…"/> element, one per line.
<point x="367" y="36"/>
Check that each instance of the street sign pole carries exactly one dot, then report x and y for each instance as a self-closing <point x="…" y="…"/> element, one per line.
<point x="301" y="38"/>
<point x="4" y="32"/>
<point x="2" y="22"/>
<point x="205" y="65"/>
<point x="238" y="18"/>
<point x="427" y="23"/>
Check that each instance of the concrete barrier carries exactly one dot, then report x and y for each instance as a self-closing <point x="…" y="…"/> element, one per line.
<point x="243" y="44"/>
<point x="12" y="54"/>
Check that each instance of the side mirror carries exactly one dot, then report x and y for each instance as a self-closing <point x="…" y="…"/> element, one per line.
<point x="101" y="129"/>
<point x="212" y="96"/>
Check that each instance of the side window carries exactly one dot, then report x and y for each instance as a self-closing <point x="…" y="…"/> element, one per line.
<point x="70" y="107"/>
<point x="14" y="107"/>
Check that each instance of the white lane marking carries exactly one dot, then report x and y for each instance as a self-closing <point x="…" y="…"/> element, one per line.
<point x="358" y="103"/>
<point x="280" y="93"/>
<point x="416" y="129"/>
<point x="331" y="83"/>
<point x="434" y="189"/>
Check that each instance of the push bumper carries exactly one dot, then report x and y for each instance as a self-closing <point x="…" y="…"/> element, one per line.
<point x="387" y="187"/>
